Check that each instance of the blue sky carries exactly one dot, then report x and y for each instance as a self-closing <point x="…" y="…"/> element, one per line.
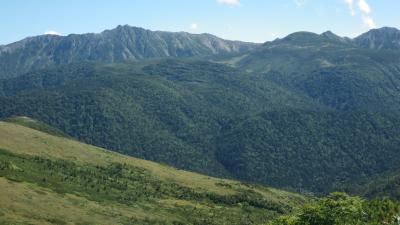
<point x="247" y="20"/>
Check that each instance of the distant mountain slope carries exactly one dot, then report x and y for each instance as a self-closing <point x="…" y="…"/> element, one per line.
<point x="169" y="111"/>
<point x="310" y="150"/>
<point x="331" y="70"/>
<point x="211" y="118"/>
<point x="47" y="179"/>
<point x="117" y="45"/>
<point x="383" y="38"/>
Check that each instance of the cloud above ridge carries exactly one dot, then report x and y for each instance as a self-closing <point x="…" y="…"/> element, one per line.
<point x="194" y="26"/>
<point x="52" y="32"/>
<point x="364" y="6"/>
<point x="365" y="10"/>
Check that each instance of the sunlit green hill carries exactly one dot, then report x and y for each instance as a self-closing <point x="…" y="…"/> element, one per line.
<point x="47" y="179"/>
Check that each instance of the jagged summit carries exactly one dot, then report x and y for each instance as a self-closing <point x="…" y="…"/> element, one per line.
<point x="123" y="43"/>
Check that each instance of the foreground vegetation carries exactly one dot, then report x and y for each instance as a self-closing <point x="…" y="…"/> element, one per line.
<point x="339" y="209"/>
<point x="47" y="179"/>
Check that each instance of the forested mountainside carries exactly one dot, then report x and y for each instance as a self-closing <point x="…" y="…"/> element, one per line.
<point x="331" y="71"/>
<point x="169" y="111"/>
<point x="120" y="44"/>
<point x="383" y="185"/>
<point x="212" y="118"/>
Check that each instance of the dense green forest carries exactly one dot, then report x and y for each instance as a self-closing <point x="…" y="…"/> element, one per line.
<point x="210" y="118"/>
<point x="386" y="184"/>
<point x="169" y="112"/>
<point x="267" y="146"/>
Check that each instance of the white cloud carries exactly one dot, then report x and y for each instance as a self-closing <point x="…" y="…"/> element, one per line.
<point x="365" y="10"/>
<point x="300" y="2"/>
<point x="194" y="26"/>
<point x="349" y="4"/>
<point x="52" y="32"/>
<point x="364" y="6"/>
<point x="229" y="2"/>
<point x="369" y="22"/>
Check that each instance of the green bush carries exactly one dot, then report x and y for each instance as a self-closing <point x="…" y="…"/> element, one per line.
<point x="341" y="209"/>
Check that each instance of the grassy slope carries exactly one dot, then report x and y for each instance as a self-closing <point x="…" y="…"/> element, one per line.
<point x="34" y="124"/>
<point x="19" y="200"/>
<point x="22" y="198"/>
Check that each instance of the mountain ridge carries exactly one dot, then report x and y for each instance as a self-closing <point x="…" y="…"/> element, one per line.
<point x="122" y="43"/>
<point x="125" y="43"/>
<point x="364" y="40"/>
<point x="382" y="38"/>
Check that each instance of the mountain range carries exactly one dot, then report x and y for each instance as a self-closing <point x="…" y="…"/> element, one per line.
<point x="124" y="43"/>
<point x="308" y="112"/>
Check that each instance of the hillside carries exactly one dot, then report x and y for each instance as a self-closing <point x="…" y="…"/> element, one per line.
<point x="124" y="43"/>
<point x="331" y="71"/>
<point x="310" y="150"/>
<point x="49" y="179"/>
<point x="169" y="111"/>
<point x="37" y="125"/>
<point x="261" y="116"/>
<point x="360" y="85"/>
<point x="214" y="119"/>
